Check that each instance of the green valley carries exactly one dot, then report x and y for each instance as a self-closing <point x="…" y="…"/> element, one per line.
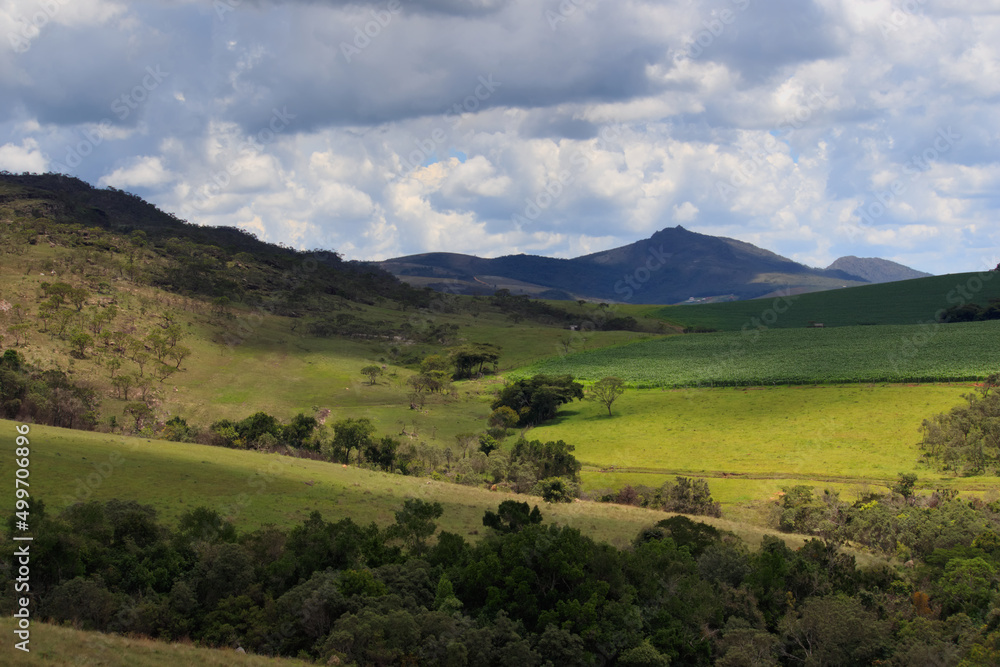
<point x="219" y="433"/>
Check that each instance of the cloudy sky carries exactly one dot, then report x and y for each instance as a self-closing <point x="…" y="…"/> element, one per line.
<point x="813" y="128"/>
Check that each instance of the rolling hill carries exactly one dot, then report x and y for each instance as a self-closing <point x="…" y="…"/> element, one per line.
<point x="913" y="302"/>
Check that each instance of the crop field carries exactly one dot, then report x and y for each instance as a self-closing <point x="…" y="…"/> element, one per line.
<point x="903" y="302"/>
<point x="888" y="353"/>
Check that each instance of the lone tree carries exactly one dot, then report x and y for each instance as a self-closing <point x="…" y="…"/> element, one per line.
<point x="140" y="412"/>
<point x="79" y="342"/>
<point x="371" y="372"/>
<point x="607" y="390"/>
<point x="904" y="486"/>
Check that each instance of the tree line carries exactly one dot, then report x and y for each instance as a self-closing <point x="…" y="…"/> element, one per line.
<point x="526" y="593"/>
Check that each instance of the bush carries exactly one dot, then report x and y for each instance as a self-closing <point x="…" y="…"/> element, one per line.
<point x="556" y="490"/>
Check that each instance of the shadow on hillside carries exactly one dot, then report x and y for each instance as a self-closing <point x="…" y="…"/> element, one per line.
<point x="562" y="416"/>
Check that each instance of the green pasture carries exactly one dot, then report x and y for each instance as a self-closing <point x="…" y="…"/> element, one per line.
<point x="748" y="443"/>
<point x="815" y="432"/>
<point x="885" y="353"/>
<point x="283" y="374"/>
<point x="254" y="489"/>
<point x="903" y="302"/>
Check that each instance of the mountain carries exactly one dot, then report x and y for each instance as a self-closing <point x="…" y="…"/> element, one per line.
<point x="875" y="270"/>
<point x="673" y="265"/>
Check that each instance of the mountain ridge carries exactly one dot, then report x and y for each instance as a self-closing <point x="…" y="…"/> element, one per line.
<point x="673" y="265"/>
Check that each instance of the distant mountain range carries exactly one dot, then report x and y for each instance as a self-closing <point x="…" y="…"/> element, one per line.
<point x="674" y="265"/>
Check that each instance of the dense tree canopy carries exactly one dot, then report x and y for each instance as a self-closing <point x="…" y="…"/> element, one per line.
<point x="966" y="439"/>
<point x="45" y="397"/>
<point x="537" y="398"/>
<point x="470" y="360"/>
<point x="526" y="593"/>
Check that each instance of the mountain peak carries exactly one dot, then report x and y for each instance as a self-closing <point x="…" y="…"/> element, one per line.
<point x="671" y="266"/>
<point x="875" y="269"/>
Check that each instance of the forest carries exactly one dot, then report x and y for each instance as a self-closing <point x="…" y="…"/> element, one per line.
<point x="526" y="593"/>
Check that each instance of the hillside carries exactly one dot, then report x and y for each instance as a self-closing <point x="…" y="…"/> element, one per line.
<point x="904" y="302"/>
<point x="117" y="234"/>
<point x="255" y="489"/>
<point x="671" y="266"/>
<point x="56" y="646"/>
<point x="875" y="269"/>
<point x="136" y="308"/>
<point x="366" y="508"/>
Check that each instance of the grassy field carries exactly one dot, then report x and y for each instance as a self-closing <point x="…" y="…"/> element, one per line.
<point x="255" y="489"/>
<point x="903" y="302"/>
<point x="56" y="646"/>
<point x="885" y="353"/>
<point x="748" y="443"/>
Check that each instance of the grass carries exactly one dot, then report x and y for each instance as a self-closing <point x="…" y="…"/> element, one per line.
<point x="885" y="353"/>
<point x="903" y="302"/>
<point x="748" y="443"/>
<point x="59" y="646"/>
<point x="281" y="370"/>
<point x="255" y="489"/>
<point x="828" y="432"/>
<point x="745" y="446"/>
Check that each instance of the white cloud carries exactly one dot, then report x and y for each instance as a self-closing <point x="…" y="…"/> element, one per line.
<point x="143" y="172"/>
<point x="686" y="212"/>
<point x="596" y="124"/>
<point x="24" y="157"/>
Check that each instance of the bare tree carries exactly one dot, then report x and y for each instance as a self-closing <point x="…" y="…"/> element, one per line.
<point x="607" y="390"/>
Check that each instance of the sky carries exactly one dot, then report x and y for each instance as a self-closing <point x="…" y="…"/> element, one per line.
<point x="812" y="128"/>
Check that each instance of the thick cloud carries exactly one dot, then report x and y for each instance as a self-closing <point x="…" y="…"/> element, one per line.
<point x="812" y="128"/>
